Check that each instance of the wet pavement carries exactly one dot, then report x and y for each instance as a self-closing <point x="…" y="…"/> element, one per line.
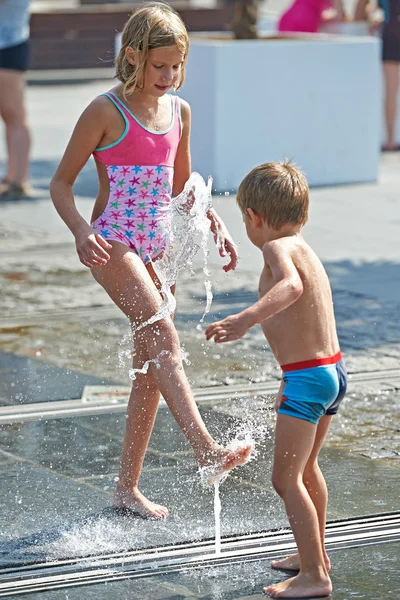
<point x="59" y="333"/>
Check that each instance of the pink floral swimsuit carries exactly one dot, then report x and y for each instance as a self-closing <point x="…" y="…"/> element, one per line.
<point x="140" y="168"/>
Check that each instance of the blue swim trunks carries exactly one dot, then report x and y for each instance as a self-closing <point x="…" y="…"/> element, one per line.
<point x="313" y="388"/>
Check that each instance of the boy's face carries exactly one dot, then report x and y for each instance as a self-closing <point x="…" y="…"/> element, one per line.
<point x="254" y="228"/>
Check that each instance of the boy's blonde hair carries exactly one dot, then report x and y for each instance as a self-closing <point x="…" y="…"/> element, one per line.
<point x="153" y="25"/>
<point x="277" y="192"/>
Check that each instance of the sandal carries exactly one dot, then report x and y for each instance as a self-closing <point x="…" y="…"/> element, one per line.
<point x="13" y="191"/>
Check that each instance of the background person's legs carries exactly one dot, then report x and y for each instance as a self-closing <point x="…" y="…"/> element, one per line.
<point x="391" y="76"/>
<point x="13" y="113"/>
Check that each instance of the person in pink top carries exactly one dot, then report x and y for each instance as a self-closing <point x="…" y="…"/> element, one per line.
<point x="139" y="136"/>
<point x="307" y="16"/>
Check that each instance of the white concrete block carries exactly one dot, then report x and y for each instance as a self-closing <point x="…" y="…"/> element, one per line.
<point x="316" y="100"/>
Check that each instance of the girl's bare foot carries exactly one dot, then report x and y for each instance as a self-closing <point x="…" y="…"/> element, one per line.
<point x="217" y="463"/>
<point x="134" y="501"/>
<point x="292" y="563"/>
<point x="301" y="586"/>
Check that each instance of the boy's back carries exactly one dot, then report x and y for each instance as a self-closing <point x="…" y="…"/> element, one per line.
<point x="306" y="329"/>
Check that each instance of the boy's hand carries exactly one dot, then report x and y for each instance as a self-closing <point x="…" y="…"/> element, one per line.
<point x="230" y="329"/>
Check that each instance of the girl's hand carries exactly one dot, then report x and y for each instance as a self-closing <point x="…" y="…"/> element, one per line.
<point x="92" y="248"/>
<point x="224" y="242"/>
<point x="230" y="329"/>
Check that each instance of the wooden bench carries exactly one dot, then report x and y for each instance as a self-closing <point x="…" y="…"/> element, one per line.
<point x="84" y="37"/>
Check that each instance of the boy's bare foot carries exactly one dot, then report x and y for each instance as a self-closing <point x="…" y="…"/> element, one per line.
<point x="134" y="501"/>
<point x="301" y="586"/>
<point x="216" y="464"/>
<point x="292" y="563"/>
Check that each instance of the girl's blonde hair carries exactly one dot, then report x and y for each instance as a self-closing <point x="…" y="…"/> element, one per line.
<point x="153" y="25"/>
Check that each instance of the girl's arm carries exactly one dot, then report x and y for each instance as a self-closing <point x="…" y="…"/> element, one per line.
<point x="182" y="171"/>
<point x="87" y="135"/>
<point x="182" y="165"/>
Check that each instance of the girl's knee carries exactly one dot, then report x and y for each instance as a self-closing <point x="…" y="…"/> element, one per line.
<point x="159" y="343"/>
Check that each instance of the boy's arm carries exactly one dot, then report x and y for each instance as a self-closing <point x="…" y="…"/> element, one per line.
<point x="287" y="289"/>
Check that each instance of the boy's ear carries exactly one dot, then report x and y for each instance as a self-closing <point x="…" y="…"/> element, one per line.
<point x="255" y="219"/>
<point x="131" y="55"/>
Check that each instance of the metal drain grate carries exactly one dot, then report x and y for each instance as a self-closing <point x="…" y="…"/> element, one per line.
<point x="114" y="400"/>
<point x="350" y="533"/>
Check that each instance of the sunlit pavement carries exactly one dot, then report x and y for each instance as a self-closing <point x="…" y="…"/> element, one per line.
<point x="60" y="333"/>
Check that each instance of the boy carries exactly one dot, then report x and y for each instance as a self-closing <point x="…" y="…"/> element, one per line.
<point x="295" y="311"/>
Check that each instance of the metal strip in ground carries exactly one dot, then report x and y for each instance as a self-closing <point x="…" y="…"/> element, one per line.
<point x="62" y="409"/>
<point x="146" y="563"/>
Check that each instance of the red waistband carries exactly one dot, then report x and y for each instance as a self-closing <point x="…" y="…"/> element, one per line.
<point x="313" y="362"/>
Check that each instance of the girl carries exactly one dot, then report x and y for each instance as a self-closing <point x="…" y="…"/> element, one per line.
<point x="308" y="15"/>
<point x="139" y="137"/>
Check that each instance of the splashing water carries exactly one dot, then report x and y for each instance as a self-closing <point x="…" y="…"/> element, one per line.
<point x="186" y="222"/>
<point x="212" y="474"/>
<point x="156" y="361"/>
<point x="217" y="516"/>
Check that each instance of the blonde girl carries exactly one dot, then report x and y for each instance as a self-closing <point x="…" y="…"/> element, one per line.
<point x="139" y="135"/>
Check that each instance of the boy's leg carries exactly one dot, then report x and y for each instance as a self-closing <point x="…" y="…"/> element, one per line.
<point x="294" y="441"/>
<point x="315" y="483"/>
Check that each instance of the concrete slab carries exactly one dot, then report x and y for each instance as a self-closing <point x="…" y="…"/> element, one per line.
<point x="25" y="380"/>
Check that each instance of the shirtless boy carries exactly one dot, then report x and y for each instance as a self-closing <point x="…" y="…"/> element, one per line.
<point x="295" y="311"/>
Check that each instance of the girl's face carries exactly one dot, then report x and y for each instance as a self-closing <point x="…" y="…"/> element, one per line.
<point x="163" y="70"/>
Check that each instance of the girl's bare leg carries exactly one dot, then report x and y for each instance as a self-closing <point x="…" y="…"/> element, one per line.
<point x="13" y="113"/>
<point x="130" y="286"/>
<point x="391" y="75"/>
<point x="294" y="441"/>
<point x="141" y="414"/>
<point x="315" y="484"/>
